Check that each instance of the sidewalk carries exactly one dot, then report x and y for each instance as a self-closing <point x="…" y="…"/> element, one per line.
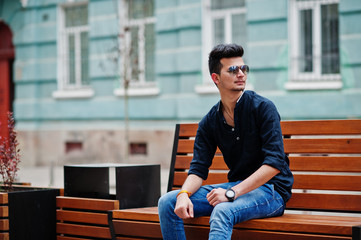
<point x="54" y="177"/>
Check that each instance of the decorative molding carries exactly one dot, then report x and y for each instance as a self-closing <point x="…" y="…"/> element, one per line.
<point x="137" y="92"/>
<point x="73" y="93"/>
<point x="313" y="85"/>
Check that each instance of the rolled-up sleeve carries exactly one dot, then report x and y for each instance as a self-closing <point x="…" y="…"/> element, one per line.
<point x="271" y="137"/>
<point x="203" y="152"/>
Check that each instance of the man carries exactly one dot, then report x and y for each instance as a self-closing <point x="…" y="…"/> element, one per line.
<point x="246" y="128"/>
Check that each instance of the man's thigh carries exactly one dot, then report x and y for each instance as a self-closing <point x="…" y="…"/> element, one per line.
<point x="259" y="203"/>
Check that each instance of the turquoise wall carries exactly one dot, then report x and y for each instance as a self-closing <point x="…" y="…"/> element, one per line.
<point x="178" y="63"/>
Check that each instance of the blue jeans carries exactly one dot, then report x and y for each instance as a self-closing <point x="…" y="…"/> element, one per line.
<point x="259" y="203"/>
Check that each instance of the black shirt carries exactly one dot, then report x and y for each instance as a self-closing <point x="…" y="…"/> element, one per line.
<point x="255" y="140"/>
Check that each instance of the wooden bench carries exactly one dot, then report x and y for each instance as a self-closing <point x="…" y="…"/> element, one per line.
<point x="83" y="218"/>
<point x="325" y="157"/>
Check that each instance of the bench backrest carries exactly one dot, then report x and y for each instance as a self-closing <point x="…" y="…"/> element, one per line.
<point x="325" y="158"/>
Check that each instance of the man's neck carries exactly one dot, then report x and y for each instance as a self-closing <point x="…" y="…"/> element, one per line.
<point x="229" y="101"/>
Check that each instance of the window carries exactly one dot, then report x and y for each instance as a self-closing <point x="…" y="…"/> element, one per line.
<point x="138" y="53"/>
<point x="73" y="52"/>
<point x="223" y="22"/>
<point x="315" y="58"/>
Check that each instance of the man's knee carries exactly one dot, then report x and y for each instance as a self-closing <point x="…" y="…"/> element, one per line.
<point x="167" y="201"/>
<point x="222" y="213"/>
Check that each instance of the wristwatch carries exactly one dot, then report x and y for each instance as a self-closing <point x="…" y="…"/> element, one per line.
<point x="230" y="194"/>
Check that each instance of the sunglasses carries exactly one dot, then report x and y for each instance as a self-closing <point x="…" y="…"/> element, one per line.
<point x="235" y="69"/>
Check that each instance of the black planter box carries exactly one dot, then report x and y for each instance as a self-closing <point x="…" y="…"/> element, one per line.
<point x="32" y="214"/>
<point x="137" y="185"/>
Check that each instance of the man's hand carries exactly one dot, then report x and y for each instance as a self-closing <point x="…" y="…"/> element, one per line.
<point x="216" y="196"/>
<point x="184" y="207"/>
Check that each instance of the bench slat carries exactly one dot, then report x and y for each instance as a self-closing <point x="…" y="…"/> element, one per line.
<point x="4" y="198"/>
<point x="297" y="163"/>
<point x="4" y="211"/>
<point x="321" y="127"/>
<point x="336" y="202"/>
<point x="270" y="235"/>
<point x="183" y="162"/>
<point x="188" y="130"/>
<point x="135" y="228"/>
<point x="86" y="203"/>
<point x="213" y="178"/>
<point x="346" y="145"/>
<point x="145" y="214"/>
<point x="302" y="181"/>
<point x="4" y="236"/>
<point x="327" y="182"/>
<point x="82" y="230"/>
<point x="4" y="224"/>
<point x="83" y="217"/>
<point x="325" y="163"/>
<point x="71" y="238"/>
<point x="292" y="223"/>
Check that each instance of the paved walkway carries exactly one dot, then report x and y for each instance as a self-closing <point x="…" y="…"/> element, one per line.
<point x="54" y="177"/>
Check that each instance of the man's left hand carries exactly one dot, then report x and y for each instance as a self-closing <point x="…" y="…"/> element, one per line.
<point x="216" y="196"/>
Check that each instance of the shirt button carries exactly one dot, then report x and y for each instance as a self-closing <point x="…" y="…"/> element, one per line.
<point x="237" y="138"/>
<point x="232" y="129"/>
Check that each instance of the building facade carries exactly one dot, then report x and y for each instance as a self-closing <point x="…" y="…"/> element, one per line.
<point x="107" y="80"/>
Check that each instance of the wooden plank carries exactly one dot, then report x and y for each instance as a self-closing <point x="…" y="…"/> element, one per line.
<point x="4" y="198"/>
<point x="327" y="182"/>
<point x="71" y="238"/>
<point x="331" y="202"/>
<point x="82" y="217"/>
<point x="4" y="236"/>
<point x="183" y="162"/>
<point x="149" y="214"/>
<point x="4" y="224"/>
<point x="188" y="129"/>
<point x="321" y="127"/>
<point x="311" y="224"/>
<point x="270" y="235"/>
<point x="83" y="230"/>
<point x="345" y="145"/>
<point x="4" y="211"/>
<point x="87" y="203"/>
<point x="130" y="238"/>
<point x="136" y="228"/>
<point x="185" y="146"/>
<point x="213" y="178"/>
<point x="325" y="163"/>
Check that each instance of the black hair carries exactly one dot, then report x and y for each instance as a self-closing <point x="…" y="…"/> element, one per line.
<point x="222" y="51"/>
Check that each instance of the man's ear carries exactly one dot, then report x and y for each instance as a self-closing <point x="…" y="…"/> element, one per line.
<point x="215" y="78"/>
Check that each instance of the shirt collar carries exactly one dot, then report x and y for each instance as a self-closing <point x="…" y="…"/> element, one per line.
<point x="220" y="102"/>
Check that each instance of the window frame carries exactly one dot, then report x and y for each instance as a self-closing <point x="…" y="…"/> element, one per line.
<point x="142" y="86"/>
<point x="208" y="17"/>
<point x="66" y="90"/>
<point x="309" y="80"/>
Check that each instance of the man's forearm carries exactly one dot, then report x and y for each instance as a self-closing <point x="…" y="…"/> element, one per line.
<point x="257" y="179"/>
<point x="192" y="183"/>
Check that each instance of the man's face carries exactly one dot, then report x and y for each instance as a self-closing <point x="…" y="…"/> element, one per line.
<point x="231" y="76"/>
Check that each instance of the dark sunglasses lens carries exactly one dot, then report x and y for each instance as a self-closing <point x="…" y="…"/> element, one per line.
<point x="245" y="68"/>
<point x="233" y="69"/>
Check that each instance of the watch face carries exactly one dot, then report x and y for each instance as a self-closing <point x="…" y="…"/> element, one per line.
<point x="230" y="193"/>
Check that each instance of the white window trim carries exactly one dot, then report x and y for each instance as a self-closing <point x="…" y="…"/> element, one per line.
<point x="207" y="86"/>
<point x="315" y="80"/>
<point x="63" y="91"/>
<point x="142" y="87"/>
